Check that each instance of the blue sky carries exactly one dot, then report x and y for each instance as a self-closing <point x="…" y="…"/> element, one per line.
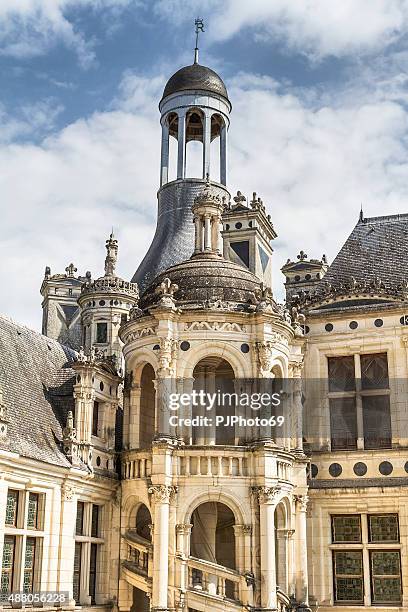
<point x="319" y="122"/>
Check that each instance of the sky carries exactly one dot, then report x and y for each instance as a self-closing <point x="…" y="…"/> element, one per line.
<point x="319" y="124"/>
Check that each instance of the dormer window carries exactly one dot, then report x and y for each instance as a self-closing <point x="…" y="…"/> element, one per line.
<point x="101" y="333"/>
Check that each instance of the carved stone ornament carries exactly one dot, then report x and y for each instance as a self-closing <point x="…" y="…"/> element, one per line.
<point x="265" y="358"/>
<point x="184" y="528"/>
<point x="301" y="502"/>
<point x="67" y="492"/>
<point x="266" y="495"/>
<point x="166" y="291"/>
<point x="167" y="356"/>
<point x="264" y="299"/>
<point x="214" y="326"/>
<point x="162" y="494"/>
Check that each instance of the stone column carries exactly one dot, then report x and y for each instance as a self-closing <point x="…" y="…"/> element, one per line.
<point x="181" y="139"/>
<point x="197" y="235"/>
<point x="223" y="155"/>
<point x="301" y="582"/>
<point x="66" y="544"/>
<point x="267" y="504"/>
<point x="134" y="416"/>
<point x="161" y="495"/>
<point x="164" y="165"/>
<point x="297" y="405"/>
<point x="206" y="144"/>
<point x="207" y="232"/>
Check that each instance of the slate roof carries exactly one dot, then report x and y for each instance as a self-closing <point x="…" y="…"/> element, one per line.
<point x="377" y="247"/>
<point x="37" y="383"/>
<point x="195" y="77"/>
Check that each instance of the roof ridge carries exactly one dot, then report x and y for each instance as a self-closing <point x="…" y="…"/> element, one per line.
<point x="395" y="217"/>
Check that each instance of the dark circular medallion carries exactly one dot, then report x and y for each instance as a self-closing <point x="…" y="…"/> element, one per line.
<point x="101" y="302"/>
<point x="335" y="470"/>
<point x="98" y="461"/>
<point x="385" y="468"/>
<point x="378" y="322"/>
<point x="101" y="386"/>
<point x="329" y="327"/>
<point x="156" y="347"/>
<point x="353" y="325"/>
<point x="185" y="345"/>
<point x="360" y="468"/>
<point x="314" y="470"/>
<point x="406" y="467"/>
<point x="245" y="347"/>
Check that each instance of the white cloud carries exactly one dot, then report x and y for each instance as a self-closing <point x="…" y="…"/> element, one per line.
<point x="312" y="161"/>
<point x="30" y="27"/>
<point x="317" y="28"/>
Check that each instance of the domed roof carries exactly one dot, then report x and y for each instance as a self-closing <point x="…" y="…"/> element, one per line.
<point x="195" y="77"/>
<point x="204" y="279"/>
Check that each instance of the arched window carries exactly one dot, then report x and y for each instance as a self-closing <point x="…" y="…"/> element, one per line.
<point x="147" y="407"/>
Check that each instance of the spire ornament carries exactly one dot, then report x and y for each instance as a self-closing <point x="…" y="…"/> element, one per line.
<point x="199" y="27"/>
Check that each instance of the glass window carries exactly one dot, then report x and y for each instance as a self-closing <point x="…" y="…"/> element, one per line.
<point x="95" y="418"/>
<point x="8" y="564"/>
<point x="95" y="521"/>
<point x="102" y="333"/>
<point x="385" y="576"/>
<point x="12" y="508"/>
<point x="92" y="572"/>
<point x="77" y="571"/>
<point x="29" y="565"/>
<point x="377" y="421"/>
<point x="341" y="373"/>
<point x="374" y="371"/>
<point x="348" y="576"/>
<point x="383" y="528"/>
<point x="32" y="515"/>
<point x="346" y="528"/>
<point x="343" y="423"/>
<point x="79" y="527"/>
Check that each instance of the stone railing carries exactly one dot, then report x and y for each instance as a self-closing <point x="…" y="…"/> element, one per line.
<point x="107" y="284"/>
<point x="137" y="557"/>
<point x="136" y="464"/>
<point x="284" y="603"/>
<point x="211" y="462"/>
<point x="213" y="579"/>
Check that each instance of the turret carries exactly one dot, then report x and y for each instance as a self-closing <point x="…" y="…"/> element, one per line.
<point x="247" y="236"/>
<point x="194" y="111"/>
<point x="105" y="304"/>
<point x="304" y="274"/>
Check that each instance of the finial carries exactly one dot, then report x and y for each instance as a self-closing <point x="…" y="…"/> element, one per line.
<point x="302" y="256"/>
<point x="199" y="27"/>
<point x="70" y="270"/>
<point x="111" y="255"/>
<point x="207" y="180"/>
<point x="361" y="215"/>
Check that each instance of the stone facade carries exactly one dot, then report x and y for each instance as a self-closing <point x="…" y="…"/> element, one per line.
<point x="109" y="496"/>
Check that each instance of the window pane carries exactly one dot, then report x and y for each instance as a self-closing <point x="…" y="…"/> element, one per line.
<point x="374" y="371"/>
<point x="343" y="423"/>
<point x="346" y="528"/>
<point x="8" y="564"/>
<point x="92" y="572"/>
<point x="341" y="373"/>
<point x="12" y="508"/>
<point x="77" y="571"/>
<point x="79" y="528"/>
<point x="95" y="418"/>
<point x="95" y="521"/>
<point x="29" y="562"/>
<point x="32" y="516"/>
<point x="348" y="576"/>
<point x="102" y="332"/>
<point x="383" y="528"/>
<point x="377" y="422"/>
<point x="385" y="576"/>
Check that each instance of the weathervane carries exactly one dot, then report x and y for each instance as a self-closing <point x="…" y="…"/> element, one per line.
<point x="199" y="27"/>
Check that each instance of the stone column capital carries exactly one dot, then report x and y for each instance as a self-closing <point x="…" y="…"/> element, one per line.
<point x="301" y="502"/>
<point x="266" y="495"/>
<point x="242" y="530"/>
<point x="162" y="494"/>
<point x="184" y="528"/>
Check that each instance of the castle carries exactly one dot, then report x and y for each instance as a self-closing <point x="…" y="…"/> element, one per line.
<point x="103" y="497"/>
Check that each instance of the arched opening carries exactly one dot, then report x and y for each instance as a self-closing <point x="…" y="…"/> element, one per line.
<point x="172" y="122"/>
<point x="281" y="547"/>
<point x="141" y="602"/>
<point x="213" y="539"/>
<point x="147" y="406"/>
<point x="143" y="522"/>
<point x="217" y="124"/>
<point x="194" y="144"/>
<point x="214" y="377"/>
